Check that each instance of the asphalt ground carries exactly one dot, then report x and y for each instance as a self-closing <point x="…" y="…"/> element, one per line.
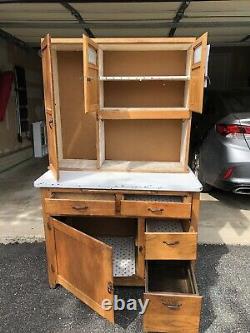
<point x="27" y="304"/>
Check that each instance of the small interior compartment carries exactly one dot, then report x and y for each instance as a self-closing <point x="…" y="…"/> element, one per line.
<point x="119" y="233"/>
<point x="76" y="131"/>
<point x="143" y="140"/>
<point x="170" y="276"/>
<point x="144" y="63"/>
<point x="141" y="94"/>
<point x="164" y="225"/>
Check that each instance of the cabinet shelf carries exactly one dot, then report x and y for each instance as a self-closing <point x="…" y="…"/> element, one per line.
<point x="146" y="78"/>
<point x="144" y="113"/>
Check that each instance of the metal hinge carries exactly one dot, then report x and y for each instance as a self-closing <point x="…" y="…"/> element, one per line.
<point x="110" y="287"/>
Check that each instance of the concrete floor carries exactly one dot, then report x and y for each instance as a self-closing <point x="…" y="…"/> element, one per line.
<point x="225" y="217"/>
<point x="29" y="305"/>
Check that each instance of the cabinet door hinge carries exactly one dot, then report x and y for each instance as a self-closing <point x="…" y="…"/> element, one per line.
<point x="110" y="287"/>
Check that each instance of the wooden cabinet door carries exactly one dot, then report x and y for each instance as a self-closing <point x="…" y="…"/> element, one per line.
<point x="90" y="75"/>
<point x="49" y="103"/>
<point x="84" y="267"/>
<point x="198" y="74"/>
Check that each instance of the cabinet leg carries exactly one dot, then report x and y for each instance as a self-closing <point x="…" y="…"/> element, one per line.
<point x="50" y="245"/>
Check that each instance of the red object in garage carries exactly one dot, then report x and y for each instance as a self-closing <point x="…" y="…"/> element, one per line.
<point x="6" y="79"/>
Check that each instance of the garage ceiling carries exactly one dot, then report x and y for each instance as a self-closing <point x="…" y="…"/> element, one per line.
<point x="227" y="22"/>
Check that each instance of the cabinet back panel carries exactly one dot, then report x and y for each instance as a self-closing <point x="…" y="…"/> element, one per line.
<point x="78" y="129"/>
<point x="143" y="140"/>
<point x="144" y="94"/>
<point x="144" y="63"/>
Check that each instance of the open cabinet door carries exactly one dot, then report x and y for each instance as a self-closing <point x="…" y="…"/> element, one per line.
<point x="49" y="104"/>
<point x="84" y="267"/>
<point x="90" y="75"/>
<point x="198" y="74"/>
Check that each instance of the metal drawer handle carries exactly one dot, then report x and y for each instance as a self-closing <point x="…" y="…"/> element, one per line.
<point x="156" y="210"/>
<point x="171" y="243"/>
<point x="80" y="207"/>
<point x="173" y="306"/>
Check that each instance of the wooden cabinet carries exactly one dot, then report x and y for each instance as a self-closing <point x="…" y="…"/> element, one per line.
<point x="124" y="208"/>
<point x="122" y="104"/>
<point x="90" y="236"/>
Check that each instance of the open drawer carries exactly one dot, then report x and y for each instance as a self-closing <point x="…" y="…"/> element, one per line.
<point x="80" y="204"/>
<point x="174" y="303"/>
<point x="167" y="239"/>
<point x="91" y="253"/>
<point x="156" y="206"/>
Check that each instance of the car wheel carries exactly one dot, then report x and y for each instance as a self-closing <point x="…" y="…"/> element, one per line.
<point x="195" y="166"/>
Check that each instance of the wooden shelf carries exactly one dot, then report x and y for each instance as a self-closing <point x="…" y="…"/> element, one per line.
<point x="144" y="113"/>
<point x="146" y="78"/>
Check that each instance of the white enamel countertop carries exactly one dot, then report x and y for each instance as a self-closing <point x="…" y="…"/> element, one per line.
<point x="101" y="180"/>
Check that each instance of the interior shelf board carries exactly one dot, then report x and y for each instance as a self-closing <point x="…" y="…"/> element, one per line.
<point x="146" y="78"/>
<point x="144" y="113"/>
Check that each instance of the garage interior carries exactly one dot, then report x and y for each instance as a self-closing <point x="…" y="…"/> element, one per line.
<point x="225" y="217"/>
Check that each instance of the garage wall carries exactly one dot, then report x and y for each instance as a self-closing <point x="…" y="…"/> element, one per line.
<point x="229" y="67"/>
<point x="12" y="151"/>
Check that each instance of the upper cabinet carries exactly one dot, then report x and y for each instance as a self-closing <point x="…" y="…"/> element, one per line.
<point x="198" y="68"/>
<point x="144" y="78"/>
<point x="108" y="98"/>
<point x="90" y="75"/>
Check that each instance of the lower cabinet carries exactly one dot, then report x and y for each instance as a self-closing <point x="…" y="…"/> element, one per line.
<point x="92" y="254"/>
<point x="174" y="304"/>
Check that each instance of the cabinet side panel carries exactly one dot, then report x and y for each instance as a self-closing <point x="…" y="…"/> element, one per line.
<point x="78" y="129"/>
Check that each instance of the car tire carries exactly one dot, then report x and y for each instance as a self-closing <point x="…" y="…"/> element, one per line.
<point x="195" y="166"/>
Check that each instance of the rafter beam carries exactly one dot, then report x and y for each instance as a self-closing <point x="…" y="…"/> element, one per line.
<point x="78" y="16"/>
<point x="179" y="15"/>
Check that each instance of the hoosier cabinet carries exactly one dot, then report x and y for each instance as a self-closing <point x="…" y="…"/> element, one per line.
<point x="120" y="205"/>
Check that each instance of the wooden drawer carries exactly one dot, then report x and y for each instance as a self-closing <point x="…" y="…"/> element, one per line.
<point x="174" y="303"/>
<point x="167" y="239"/>
<point x="79" y="207"/>
<point x="158" y="206"/>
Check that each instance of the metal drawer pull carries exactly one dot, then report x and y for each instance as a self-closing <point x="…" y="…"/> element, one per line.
<point x="156" y="210"/>
<point x="80" y="207"/>
<point x="173" y="306"/>
<point x="171" y="243"/>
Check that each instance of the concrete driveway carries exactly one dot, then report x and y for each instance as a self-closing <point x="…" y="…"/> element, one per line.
<point x="225" y="217"/>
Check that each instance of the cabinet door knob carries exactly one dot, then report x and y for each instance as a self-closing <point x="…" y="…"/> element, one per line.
<point x="80" y="207"/>
<point x="171" y="243"/>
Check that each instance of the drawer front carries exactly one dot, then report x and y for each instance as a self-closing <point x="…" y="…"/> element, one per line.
<point x="79" y="207"/>
<point x="175" y="246"/>
<point x="155" y="209"/>
<point x="172" y="313"/>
